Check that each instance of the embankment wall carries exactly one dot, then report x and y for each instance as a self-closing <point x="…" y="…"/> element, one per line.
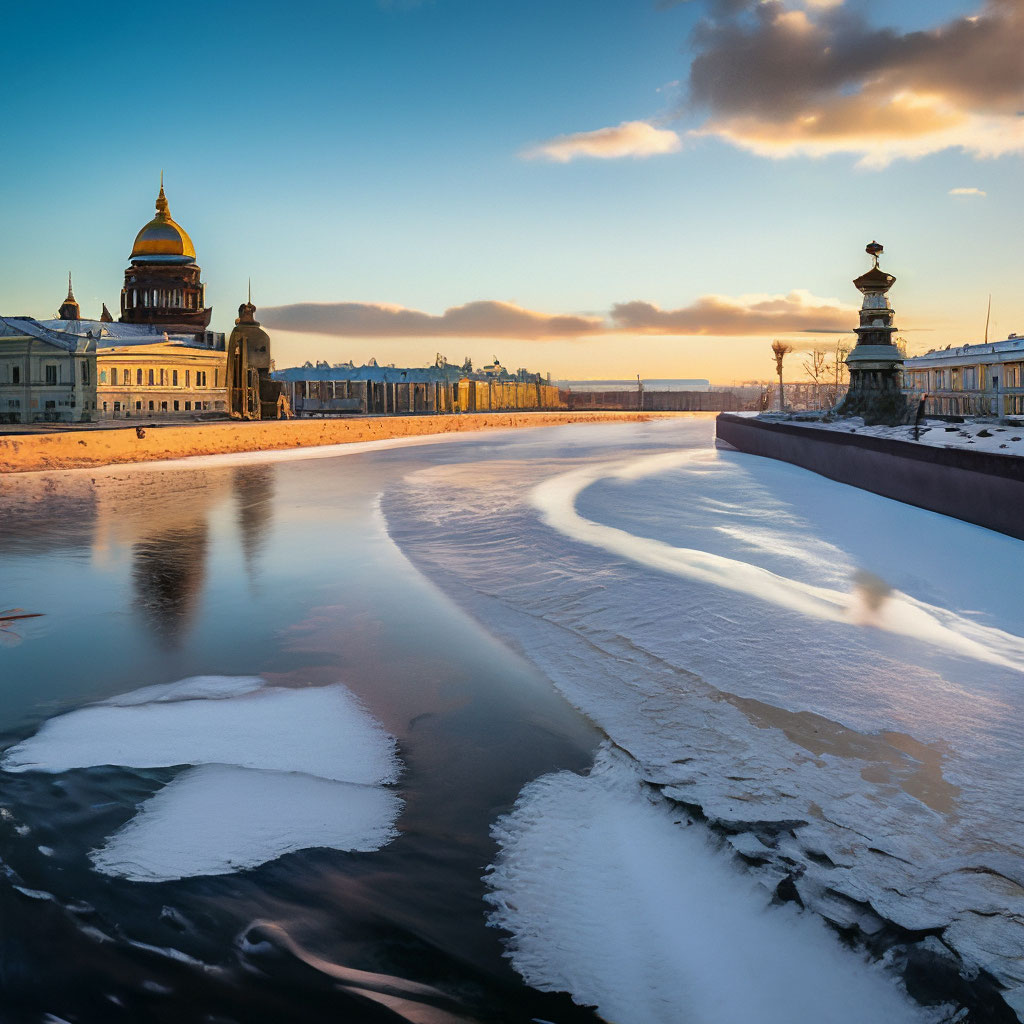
<point x="978" y="487"/>
<point x="73" y="449"/>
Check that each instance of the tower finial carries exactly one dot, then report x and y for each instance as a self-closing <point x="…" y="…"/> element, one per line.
<point x="161" y="199"/>
<point x="71" y="294"/>
<point x="874" y="250"/>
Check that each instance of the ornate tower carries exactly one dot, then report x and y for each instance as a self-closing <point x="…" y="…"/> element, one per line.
<point x="875" y="364"/>
<point x="69" y="309"/>
<point x="252" y="395"/>
<point x="162" y="285"/>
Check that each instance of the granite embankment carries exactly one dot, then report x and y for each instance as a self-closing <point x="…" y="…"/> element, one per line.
<point x="75" y="449"/>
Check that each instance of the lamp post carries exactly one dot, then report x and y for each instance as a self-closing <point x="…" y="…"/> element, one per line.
<point x="780" y="348"/>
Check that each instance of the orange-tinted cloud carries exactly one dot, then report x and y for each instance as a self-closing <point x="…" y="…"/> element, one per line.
<point x="709" y="315"/>
<point x="783" y="81"/>
<point x="485" y="319"/>
<point x="630" y="138"/>
<point x="720" y="315"/>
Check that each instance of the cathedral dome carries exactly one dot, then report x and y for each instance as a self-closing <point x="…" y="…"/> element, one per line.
<point x="162" y="237"/>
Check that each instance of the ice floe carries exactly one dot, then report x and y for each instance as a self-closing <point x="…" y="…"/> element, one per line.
<point x="832" y="677"/>
<point x="608" y="898"/>
<point x="275" y="770"/>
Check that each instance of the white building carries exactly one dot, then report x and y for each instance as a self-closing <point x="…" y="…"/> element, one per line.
<point x="985" y="379"/>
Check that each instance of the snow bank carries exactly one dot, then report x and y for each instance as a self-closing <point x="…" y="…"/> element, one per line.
<point x="981" y="434"/>
<point x="609" y="899"/>
<point x="279" y="770"/>
<point x="833" y="677"/>
<point x="895" y="612"/>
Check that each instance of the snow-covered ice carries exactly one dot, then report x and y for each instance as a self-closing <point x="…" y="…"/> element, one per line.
<point x="607" y="897"/>
<point x="834" y="678"/>
<point x="216" y="819"/>
<point x="277" y="770"/>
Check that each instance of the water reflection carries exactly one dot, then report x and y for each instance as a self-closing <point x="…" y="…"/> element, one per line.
<point x="168" y="573"/>
<point x="254" y="498"/>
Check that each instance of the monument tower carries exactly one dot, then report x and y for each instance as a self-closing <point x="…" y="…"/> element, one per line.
<point x="875" y="363"/>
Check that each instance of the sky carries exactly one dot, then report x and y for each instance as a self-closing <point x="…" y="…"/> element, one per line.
<point x="593" y="190"/>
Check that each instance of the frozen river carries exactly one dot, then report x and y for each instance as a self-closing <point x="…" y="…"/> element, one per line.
<point x="457" y="730"/>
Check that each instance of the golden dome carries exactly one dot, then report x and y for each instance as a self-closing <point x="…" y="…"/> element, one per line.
<point x="163" y="236"/>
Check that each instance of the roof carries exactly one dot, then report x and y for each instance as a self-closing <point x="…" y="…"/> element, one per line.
<point x="377" y="374"/>
<point x="70" y="334"/>
<point x="163" y="236"/>
<point x="1009" y="349"/>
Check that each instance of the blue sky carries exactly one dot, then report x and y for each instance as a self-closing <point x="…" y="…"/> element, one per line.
<point x="370" y="153"/>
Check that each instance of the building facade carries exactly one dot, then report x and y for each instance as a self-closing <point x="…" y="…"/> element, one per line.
<point x="159" y="360"/>
<point x="985" y="379"/>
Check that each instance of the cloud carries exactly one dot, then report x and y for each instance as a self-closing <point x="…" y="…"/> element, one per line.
<point x="967" y="192"/>
<point x="797" y="312"/>
<point x="783" y="81"/>
<point x="484" y="319"/>
<point x="630" y="138"/>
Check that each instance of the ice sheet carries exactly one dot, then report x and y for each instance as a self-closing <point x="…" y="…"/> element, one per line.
<point x="217" y="819"/>
<point x="322" y="731"/>
<point x="608" y="898"/>
<point x="277" y="770"/>
<point x="833" y="677"/>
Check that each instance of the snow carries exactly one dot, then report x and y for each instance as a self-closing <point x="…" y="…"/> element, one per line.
<point x="607" y="897"/>
<point x="244" y="818"/>
<point x="277" y="770"/>
<point x="321" y="731"/>
<point x="834" y="678"/>
<point x="1004" y="440"/>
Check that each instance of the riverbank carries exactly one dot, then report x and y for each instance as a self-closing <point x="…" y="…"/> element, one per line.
<point x="983" y="487"/>
<point x="26" y="453"/>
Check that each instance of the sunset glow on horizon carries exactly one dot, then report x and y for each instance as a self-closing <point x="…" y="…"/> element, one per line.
<point x="656" y="189"/>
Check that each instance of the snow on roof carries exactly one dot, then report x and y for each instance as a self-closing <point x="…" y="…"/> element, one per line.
<point x="376" y="374"/>
<point x="1010" y="346"/>
<point x="68" y="334"/>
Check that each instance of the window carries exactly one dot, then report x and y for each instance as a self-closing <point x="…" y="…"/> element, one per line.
<point x="138" y="407"/>
<point x="188" y="378"/>
<point x="163" y="377"/>
<point x="174" y="378"/>
<point x="216" y="378"/>
<point x="175" y="405"/>
<point x="103" y="376"/>
<point x="117" y="407"/>
<point x="163" y="407"/>
<point x="85" y="371"/>
<point x="188" y="407"/>
<point x="104" y="406"/>
<point x="15" y="374"/>
<point x="138" y="376"/>
<point x="200" y="378"/>
<point x="152" y="375"/>
<point x="51" y="373"/>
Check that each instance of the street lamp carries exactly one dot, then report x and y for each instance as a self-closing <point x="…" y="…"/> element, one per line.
<point x="780" y="348"/>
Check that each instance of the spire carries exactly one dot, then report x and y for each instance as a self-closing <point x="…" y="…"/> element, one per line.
<point x="161" y="200"/>
<point x="250" y="291"/>
<point x="105" y="316"/>
<point x="69" y="308"/>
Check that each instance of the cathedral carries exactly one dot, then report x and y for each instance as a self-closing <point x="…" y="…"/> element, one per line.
<point x="158" y="361"/>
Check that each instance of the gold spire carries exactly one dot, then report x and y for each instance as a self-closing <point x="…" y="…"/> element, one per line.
<point x="71" y="294"/>
<point x="161" y="200"/>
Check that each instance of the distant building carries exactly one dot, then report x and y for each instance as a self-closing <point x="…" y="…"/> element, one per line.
<point x="159" y="361"/>
<point x="984" y="379"/>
